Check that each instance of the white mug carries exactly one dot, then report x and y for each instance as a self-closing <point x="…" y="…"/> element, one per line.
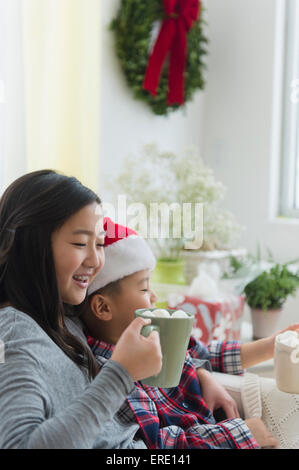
<point x="286" y="363"/>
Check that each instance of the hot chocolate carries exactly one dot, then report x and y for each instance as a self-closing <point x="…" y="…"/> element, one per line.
<point x="162" y="313"/>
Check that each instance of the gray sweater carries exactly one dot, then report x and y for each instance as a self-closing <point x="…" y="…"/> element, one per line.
<point x="46" y="400"/>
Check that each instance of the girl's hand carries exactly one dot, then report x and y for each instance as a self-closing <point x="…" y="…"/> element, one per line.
<point x="215" y="395"/>
<point x="140" y="356"/>
<point x="294" y="327"/>
<point x="261" y="350"/>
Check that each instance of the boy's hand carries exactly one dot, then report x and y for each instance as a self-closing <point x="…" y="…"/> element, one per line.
<point x="215" y="395"/>
<point x="261" y="434"/>
<point x="140" y="356"/>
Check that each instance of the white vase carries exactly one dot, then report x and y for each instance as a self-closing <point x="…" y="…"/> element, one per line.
<point x="264" y="323"/>
<point x="194" y="258"/>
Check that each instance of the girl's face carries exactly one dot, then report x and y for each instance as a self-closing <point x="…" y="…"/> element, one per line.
<point x="78" y="253"/>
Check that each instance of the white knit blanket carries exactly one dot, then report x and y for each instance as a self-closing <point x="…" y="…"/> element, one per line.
<point x="279" y="411"/>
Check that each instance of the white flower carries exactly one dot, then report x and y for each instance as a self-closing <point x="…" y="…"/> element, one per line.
<point x="166" y="177"/>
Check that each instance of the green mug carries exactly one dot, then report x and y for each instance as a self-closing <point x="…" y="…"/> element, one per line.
<point x="174" y="336"/>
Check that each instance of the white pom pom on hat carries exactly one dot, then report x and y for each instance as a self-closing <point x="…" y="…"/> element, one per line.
<point x="126" y="253"/>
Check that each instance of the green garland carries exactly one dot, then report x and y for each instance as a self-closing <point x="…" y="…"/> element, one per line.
<point x="132" y="27"/>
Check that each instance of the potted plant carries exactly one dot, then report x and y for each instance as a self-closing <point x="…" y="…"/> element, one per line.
<point x="160" y="178"/>
<point x="266" y="295"/>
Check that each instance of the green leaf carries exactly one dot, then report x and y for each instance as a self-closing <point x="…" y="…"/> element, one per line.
<point x="271" y="289"/>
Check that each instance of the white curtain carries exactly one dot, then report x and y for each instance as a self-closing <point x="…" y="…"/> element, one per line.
<point x="12" y="122"/>
<point x="50" y="88"/>
<point x="62" y="86"/>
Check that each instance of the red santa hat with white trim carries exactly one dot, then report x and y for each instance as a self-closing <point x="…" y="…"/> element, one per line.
<point x="126" y="253"/>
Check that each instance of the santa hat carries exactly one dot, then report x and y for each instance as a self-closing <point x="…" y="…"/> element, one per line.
<point x="126" y="253"/>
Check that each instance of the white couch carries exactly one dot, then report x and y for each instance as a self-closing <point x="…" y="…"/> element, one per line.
<point x="259" y="397"/>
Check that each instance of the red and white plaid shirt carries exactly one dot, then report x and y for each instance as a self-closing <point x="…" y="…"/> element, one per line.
<point x="178" y="418"/>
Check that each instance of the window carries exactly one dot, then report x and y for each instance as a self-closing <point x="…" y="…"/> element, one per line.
<point x="289" y="201"/>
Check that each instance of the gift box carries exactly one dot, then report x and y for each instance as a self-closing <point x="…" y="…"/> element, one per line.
<point x="214" y="320"/>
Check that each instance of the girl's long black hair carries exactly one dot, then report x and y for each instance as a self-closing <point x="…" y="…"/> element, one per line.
<point x="31" y="209"/>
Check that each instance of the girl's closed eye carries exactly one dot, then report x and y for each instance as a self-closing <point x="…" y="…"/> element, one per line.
<point x="101" y="245"/>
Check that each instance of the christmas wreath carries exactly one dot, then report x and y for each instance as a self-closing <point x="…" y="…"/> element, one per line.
<point x="164" y="84"/>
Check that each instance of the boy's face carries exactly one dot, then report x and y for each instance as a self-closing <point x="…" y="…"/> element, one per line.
<point x="135" y="293"/>
<point x="110" y="314"/>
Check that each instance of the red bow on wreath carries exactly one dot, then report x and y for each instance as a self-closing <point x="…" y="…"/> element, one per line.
<point x="180" y="16"/>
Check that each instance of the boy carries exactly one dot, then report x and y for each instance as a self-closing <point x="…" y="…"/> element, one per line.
<point x="176" y="417"/>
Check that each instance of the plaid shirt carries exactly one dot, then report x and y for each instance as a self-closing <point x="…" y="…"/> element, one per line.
<point x="178" y="418"/>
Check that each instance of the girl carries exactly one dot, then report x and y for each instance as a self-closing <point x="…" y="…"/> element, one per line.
<point x="51" y="248"/>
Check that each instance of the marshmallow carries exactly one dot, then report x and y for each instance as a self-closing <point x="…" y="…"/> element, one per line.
<point x="161" y="313"/>
<point x="289" y="338"/>
<point x="179" y="314"/>
<point x="148" y="313"/>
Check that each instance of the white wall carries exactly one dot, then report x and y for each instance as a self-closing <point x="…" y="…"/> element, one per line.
<point x="230" y="122"/>
<point x="239" y="116"/>
<point x="238" y="123"/>
<point x="128" y="124"/>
